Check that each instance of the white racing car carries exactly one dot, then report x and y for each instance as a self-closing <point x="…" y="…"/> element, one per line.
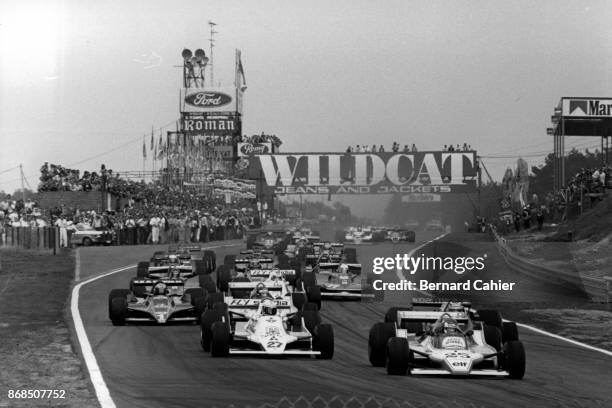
<point x="339" y="281"/>
<point x="269" y="325"/>
<point x="358" y="235"/>
<point x="449" y="340"/>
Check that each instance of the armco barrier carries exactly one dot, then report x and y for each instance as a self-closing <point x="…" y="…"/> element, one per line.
<point x="38" y="238"/>
<point x="598" y="289"/>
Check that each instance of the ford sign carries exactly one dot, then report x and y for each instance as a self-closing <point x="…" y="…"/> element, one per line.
<point x="207" y="99"/>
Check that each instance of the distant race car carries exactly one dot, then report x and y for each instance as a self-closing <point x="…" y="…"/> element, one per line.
<point x="266" y="326"/>
<point x="155" y="300"/>
<point x="446" y="338"/>
<point x="87" y="235"/>
<point x="359" y="235"/>
<point x="339" y="281"/>
<point x="398" y="235"/>
<point x="271" y="240"/>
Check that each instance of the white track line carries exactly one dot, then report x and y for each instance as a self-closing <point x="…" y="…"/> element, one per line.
<point x="556" y="336"/>
<point x="102" y="392"/>
<point x="401" y="276"/>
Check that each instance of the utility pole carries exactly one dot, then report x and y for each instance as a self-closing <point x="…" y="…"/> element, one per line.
<point x="22" y="186"/>
<point x="212" y="45"/>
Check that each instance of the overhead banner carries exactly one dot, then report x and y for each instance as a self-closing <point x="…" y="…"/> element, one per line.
<point x="366" y="173"/>
<point x="208" y="100"/>
<point x="249" y="149"/>
<point x="211" y="124"/>
<point x="587" y="107"/>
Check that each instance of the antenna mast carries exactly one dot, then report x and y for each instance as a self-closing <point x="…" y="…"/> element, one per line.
<point x="212" y="45"/>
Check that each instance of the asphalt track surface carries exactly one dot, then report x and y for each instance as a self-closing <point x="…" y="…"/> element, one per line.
<point x="164" y="366"/>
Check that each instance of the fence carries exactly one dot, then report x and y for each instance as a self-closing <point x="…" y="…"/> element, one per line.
<point x="42" y="238"/>
<point x="598" y="289"/>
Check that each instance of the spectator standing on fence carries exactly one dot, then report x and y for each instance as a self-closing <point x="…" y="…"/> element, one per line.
<point x="130" y="226"/>
<point x="163" y="229"/>
<point x="141" y="230"/>
<point x="526" y="217"/>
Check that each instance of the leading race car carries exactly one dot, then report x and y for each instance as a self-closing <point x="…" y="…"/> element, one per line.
<point x="276" y="240"/>
<point x="264" y="326"/>
<point x="448" y="339"/>
<point x="156" y="300"/>
<point x="358" y="235"/>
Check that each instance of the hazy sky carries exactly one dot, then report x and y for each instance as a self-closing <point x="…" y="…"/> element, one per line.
<point x="82" y="81"/>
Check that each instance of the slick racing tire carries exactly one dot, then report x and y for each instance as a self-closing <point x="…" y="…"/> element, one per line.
<point x="211" y="259"/>
<point x="397" y="356"/>
<point x="118" y="310"/>
<point x="142" y="269"/>
<point x="509" y="332"/>
<point x="380" y="334"/>
<point x="309" y="279"/>
<point x="351" y="255"/>
<point x="200" y="307"/>
<point x="283" y="261"/>
<point x="138" y="290"/>
<point x="222" y="309"/>
<point x="224" y="276"/>
<point x="230" y="261"/>
<point x="213" y="298"/>
<point x="194" y="294"/>
<point x="208" y="318"/>
<point x="311" y="306"/>
<point x="314" y="295"/>
<point x="200" y="267"/>
<point x="116" y="293"/>
<point x="207" y="284"/>
<point x="391" y="315"/>
<point x="493" y="337"/>
<point x="491" y="317"/>
<point x="298" y="299"/>
<point x="311" y="319"/>
<point x="323" y="341"/>
<point x="514" y="359"/>
<point x="220" y="342"/>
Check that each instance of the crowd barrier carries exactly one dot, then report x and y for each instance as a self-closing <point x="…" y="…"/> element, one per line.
<point x="41" y="238"/>
<point x="48" y="238"/>
<point x="598" y="289"/>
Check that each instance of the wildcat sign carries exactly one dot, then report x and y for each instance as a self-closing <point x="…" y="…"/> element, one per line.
<point x="366" y="173"/>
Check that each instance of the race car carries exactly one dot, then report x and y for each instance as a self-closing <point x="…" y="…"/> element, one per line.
<point x="172" y="267"/>
<point x="155" y="300"/>
<point x="280" y="281"/>
<point x="397" y="235"/>
<point x="358" y="235"/>
<point x="264" y="326"/>
<point x="270" y="240"/>
<point x="447" y="338"/>
<point x="338" y="280"/>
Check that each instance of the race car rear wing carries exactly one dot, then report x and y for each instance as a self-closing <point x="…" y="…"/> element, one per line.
<point x="167" y="268"/>
<point x="264" y="273"/>
<point x="429" y="316"/>
<point x="248" y="260"/>
<point x="254" y="303"/>
<point x="151" y="282"/>
<point x="333" y="265"/>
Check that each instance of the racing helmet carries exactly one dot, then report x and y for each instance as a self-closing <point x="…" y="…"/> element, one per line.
<point x="450" y="327"/>
<point x="173" y="259"/>
<point x="343" y="268"/>
<point x="268" y="307"/>
<point x="261" y="290"/>
<point x="160" y="288"/>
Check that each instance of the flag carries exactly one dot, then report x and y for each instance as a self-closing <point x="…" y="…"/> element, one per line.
<point x="144" y="148"/>
<point x="152" y="142"/>
<point x="240" y="78"/>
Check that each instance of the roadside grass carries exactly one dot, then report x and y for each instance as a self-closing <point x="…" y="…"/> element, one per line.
<point x="36" y="352"/>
